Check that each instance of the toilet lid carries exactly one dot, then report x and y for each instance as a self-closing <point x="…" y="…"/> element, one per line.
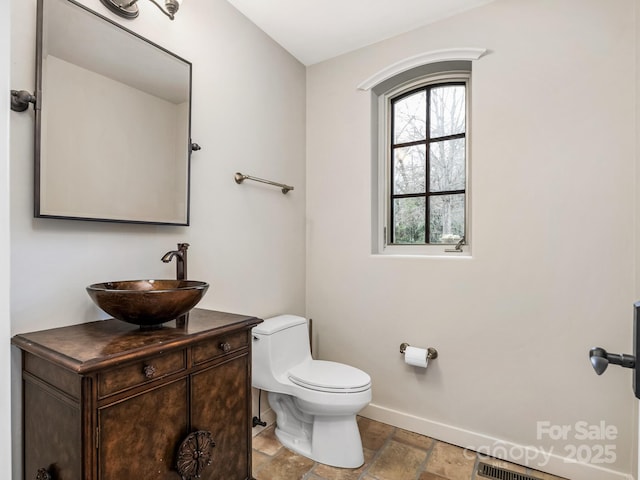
<point x="330" y="377"/>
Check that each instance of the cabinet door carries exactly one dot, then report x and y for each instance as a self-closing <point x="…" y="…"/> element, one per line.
<point x="52" y="433"/>
<point x="220" y="405"/>
<point x="140" y="435"/>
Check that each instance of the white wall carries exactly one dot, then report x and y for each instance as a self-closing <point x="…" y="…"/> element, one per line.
<point x="246" y="240"/>
<point x="5" y="313"/>
<point x="552" y="272"/>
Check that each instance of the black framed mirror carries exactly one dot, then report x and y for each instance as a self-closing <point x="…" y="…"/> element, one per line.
<point x="113" y="115"/>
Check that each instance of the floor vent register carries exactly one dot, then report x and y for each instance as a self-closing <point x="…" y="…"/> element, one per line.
<point x="495" y="473"/>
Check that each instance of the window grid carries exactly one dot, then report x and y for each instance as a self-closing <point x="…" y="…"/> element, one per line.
<point x="427" y="141"/>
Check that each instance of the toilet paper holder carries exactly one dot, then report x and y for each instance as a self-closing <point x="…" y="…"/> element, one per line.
<point x="432" y="353"/>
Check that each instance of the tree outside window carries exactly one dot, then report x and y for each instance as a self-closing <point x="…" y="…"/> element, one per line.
<point x="428" y="164"/>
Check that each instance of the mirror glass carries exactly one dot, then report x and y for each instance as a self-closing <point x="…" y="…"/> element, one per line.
<point x="112" y="121"/>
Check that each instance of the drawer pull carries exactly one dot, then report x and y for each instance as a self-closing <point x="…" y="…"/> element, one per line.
<point x="225" y="347"/>
<point x="43" y="474"/>
<point x="195" y="454"/>
<point x="149" y="371"/>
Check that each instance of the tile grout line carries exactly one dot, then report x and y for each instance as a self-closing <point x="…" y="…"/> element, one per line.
<point x="271" y="458"/>
<point x="474" y="474"/>
<point x="378" y="453"/>
<point x="423" y="466"/>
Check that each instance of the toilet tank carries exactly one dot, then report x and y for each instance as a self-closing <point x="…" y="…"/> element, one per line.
<point x="279" y="343"/>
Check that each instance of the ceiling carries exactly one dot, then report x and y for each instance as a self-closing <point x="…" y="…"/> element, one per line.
<point x="313" y="30"/>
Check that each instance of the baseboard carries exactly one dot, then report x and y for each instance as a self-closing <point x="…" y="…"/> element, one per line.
<point x="551" y="463"/>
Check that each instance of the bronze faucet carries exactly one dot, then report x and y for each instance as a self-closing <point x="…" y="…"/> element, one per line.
<point x="181" y="260"/>
<point x="181" y="273"/>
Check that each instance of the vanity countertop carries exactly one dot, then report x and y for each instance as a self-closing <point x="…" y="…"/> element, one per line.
<point x="86" y="347"/>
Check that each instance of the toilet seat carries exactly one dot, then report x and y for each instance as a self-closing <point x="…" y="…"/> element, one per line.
<point x="332" y="377"/>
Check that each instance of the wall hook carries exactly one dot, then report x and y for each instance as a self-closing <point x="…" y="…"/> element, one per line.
<point x="20" y="100"/>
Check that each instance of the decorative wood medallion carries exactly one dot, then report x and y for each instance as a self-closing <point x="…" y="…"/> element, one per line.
<point x="195" y="453"/>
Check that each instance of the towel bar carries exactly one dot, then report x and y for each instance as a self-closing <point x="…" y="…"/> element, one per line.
<point x="239" y="177"/>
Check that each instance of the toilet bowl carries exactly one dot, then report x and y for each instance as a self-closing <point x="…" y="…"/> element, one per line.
<point x="315" y="401"/>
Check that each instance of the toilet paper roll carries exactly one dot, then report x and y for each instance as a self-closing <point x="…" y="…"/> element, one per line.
<point x="416" y="356"/>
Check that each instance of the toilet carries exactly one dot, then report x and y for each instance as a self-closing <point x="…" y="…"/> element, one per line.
<point x="315" y="401"/>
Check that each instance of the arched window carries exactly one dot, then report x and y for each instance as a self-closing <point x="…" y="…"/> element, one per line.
<point x="422" y="203"/>
<point x="427" y="162"/>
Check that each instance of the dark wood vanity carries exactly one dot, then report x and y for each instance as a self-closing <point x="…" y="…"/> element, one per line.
<point x="108" y="401"/>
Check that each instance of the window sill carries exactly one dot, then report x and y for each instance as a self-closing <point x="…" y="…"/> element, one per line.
<point x="420" y="251"/>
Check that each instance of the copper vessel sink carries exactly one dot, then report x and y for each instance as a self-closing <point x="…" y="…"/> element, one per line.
<point x="147" y="302"/>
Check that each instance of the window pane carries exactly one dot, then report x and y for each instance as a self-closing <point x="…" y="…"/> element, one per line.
<point x="408" y="220"/>
<point x="409" y="170"/>
<point x="447" y="110"/>
<point x="410" y="118"/>
<point x="446" y="223"/>
<point x="447" y="169"/>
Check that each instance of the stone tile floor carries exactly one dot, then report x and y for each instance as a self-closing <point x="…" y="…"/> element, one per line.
<point x="390" y="454"/>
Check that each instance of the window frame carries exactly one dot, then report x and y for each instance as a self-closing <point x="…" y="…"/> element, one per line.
<point x="385" y="166"/>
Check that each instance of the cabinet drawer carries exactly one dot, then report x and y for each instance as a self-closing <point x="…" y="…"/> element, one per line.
<point x="219" y="346"/>
<point x="134" y="374"/>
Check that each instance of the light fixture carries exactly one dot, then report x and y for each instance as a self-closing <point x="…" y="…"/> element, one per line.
<point x="129" y="8"/>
